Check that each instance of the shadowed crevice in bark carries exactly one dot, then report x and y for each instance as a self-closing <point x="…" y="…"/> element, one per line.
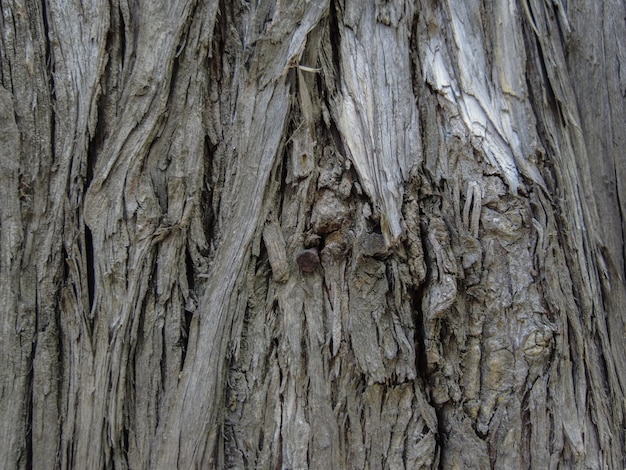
<point x="90" y="272"/>
<point x="334" y="33"/>
<point x="188" y="315"/>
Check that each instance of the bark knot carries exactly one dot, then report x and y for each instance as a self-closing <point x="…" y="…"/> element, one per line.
<point x="308" y="260"/>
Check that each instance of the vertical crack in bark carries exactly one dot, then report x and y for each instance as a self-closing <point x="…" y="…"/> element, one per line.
<point x="50" y="76"/>
<point x="208" y="193"/>
<point x="90" y="274"/>
<point x="28" y="458"/>
<point x="421" y="365"/>
<point x="188" y="314"/>
<point x="335" y="38"/>
<point x="122" y="29"/>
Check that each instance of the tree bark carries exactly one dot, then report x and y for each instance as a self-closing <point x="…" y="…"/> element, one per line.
<point x="312" y="234"/>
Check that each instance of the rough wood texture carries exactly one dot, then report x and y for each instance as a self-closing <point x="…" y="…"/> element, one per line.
<point x="312" y="234"/>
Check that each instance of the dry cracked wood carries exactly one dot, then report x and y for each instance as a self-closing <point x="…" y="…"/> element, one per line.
<point x="312" y="234"/>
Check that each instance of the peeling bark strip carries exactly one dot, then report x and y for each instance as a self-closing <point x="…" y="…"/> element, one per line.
<point x="312" y="234"/>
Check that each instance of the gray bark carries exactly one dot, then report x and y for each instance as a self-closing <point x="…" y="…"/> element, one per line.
<point x="312" y="234"/>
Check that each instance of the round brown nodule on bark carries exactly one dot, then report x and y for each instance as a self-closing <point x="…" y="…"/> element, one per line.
<point x="308" y="260"/>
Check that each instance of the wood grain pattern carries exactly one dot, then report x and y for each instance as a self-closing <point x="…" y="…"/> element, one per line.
<point x="455" y="167"/>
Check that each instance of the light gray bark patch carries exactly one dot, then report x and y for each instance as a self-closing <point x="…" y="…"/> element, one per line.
<point x="367" y="290"/>
<point x="329" y="213"/>
<point x="276" y="251"/>
<point x="9" y="137"/>
<point x="375" y="127"/>
<point x="17" y="317"/>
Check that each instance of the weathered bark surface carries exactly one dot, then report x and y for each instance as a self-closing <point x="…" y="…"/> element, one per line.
<point x="312" y="234"/>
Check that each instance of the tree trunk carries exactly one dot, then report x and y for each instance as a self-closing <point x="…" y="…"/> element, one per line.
<point x="312" y="234"/>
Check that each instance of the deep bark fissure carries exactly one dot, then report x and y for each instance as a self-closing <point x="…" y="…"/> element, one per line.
<point x="90" y="272"/>
<point x="28" y="461"/>
<point x="207" y="201"/>
<point x="622" y="223"/>
<point x="48" y="59"/>
<point x="421" y="365"/>
<point x="183" y="343"/>
<point x="122" y="31"/>
<point x="333" y="28"/>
